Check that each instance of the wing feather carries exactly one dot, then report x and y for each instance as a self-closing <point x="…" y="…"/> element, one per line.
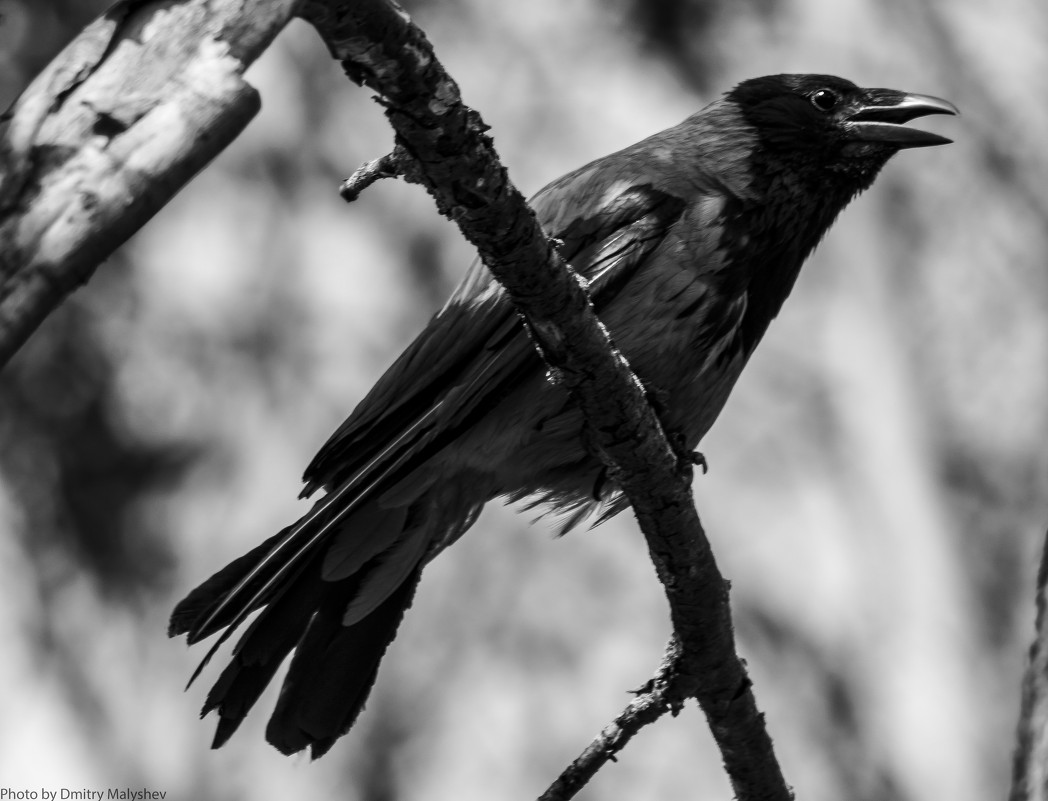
<point x="472" y="352"/>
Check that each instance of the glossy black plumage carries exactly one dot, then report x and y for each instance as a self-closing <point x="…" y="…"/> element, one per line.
<point x="691" y="240"/>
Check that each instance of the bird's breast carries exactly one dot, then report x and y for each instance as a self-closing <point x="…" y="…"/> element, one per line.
<point x="676" y="320"/>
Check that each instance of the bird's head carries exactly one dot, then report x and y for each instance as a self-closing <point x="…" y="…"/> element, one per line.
<point x="827" y="123"/>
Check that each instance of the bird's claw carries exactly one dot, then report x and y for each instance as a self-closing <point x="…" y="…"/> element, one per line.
<point x="687" y="459"/>
<point x="644" y="689"/>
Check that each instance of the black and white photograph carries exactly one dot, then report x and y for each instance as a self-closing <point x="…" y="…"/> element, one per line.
<point x="409" y="400"/>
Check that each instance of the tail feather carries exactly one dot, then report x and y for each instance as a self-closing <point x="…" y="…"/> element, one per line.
<point x="332" y="590"/>
<point x="391" y="569"/>
<point x="368" y="532"/>
<point x="259" y="653"/>
<point x="192" y="609"/>
<point x="333" y="670"/>
<point x="265" y="575"/>
<point x="338" y="624"/>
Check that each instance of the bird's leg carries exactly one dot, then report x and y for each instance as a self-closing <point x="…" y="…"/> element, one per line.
<point x="686" y="457"/>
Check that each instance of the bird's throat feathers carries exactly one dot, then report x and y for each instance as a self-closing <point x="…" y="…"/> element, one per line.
<point x="778" y="207"/>
<point x="772" y="237"/>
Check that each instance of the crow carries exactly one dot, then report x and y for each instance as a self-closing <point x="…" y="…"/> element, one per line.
<point x="690" y="241"/>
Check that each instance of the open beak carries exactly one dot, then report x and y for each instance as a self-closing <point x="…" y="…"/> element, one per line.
<point x="880" y="118"/>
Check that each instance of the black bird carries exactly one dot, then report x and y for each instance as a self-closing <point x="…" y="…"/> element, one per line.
<point x="691" y="241"/>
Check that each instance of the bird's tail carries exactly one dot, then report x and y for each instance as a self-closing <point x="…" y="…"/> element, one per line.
<point x="336" y="600"/>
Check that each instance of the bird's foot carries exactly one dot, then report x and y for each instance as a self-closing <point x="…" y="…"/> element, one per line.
<point x="698" y="459"/>
<point x="687" y="459"/>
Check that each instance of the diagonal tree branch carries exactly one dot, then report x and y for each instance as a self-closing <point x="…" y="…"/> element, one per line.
<point x="380" y="48"/>
<point x="110" y="131"/>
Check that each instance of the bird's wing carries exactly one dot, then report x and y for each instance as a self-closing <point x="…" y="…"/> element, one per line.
<point x="464" y="361"/>
<point x="476" y="347"/>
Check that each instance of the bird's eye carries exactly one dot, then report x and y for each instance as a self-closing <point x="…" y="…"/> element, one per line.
<point x="824" y="100"/>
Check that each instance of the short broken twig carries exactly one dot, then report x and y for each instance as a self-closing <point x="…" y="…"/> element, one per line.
<point x="386" y="167"/>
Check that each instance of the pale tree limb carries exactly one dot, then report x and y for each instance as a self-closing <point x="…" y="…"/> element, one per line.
<point x="380" y="48"/>
<point x="109" y="132"/>
<point x="1030" y="763"/>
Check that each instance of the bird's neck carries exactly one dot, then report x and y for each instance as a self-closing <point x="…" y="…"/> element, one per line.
<point x="791" y="211"/>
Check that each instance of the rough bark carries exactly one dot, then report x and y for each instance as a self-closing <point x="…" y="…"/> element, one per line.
<point x="452" y="157"/>
<point x="109" y="132"/>
<point x="1030" y="764"/>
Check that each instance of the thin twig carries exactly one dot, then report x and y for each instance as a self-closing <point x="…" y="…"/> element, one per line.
<point x="657" y="697"/>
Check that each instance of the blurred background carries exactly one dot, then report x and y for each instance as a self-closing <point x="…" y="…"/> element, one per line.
<point x="878" y="490"/>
